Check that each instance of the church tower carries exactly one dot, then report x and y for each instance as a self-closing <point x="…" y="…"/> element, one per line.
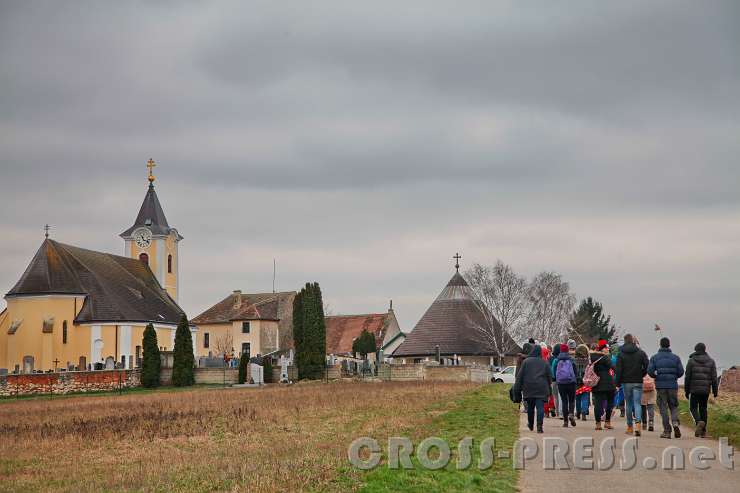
<point x="153" y="241"/>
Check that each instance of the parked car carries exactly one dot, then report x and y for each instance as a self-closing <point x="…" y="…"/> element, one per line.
<point x="504" y="376"/>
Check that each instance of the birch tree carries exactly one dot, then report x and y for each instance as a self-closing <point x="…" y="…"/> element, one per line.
<point x="551" y="303"/>
<point x="504" y="302"/>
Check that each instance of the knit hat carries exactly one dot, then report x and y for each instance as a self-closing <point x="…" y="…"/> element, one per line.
<point x="582" y="351"/>
<point x="571" y="344"/>
<point x="601" y="344"/>
<point x="563" y="348"/>
<point x="556" y="349"/>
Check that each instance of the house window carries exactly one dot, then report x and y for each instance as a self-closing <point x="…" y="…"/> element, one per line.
<point x="144" y="258"/>
<point x="64" y="332"/>
<point x="206" y="340"/>
<point x="169" y="264"/>
<point x="246" y="348"/>
<point x="245" y="327"/>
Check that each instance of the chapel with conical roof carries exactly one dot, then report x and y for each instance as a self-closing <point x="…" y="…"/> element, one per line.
<point x="453" y="327"/>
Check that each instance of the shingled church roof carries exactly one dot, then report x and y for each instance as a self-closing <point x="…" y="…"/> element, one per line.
<point x="151" y="216"/>
<point x="116" y="289"/>
<point x="451" y="323"/>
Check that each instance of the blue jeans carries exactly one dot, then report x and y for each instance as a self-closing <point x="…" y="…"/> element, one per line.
<point x="632" y="401"/>
<point x="539" y="406"/>
<point x="582" y="403"/>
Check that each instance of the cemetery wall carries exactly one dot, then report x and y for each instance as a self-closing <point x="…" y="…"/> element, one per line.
<point x="447" y="373"/>
<point x="204" y="376"/>
<point x="68" y="382"/>
<point x="730" y="381"/>
<point x="406" y="372"/>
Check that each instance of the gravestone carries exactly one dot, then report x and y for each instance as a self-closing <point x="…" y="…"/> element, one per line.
<point x="283" y="369"/>
<point x="82" y="366"/>
<point x="110" y="363"/>
<point x="3" y="372"/>
<point x="257" y="375"/>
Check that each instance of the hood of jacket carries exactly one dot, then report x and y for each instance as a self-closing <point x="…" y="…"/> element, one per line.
<point x="629" y="348"/>
<point x="700" y="357"/>
<point x="563" y="356"/>
<point x="536" y="351"/>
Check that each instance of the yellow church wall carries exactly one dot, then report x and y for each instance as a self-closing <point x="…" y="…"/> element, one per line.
<point x="170" y="278"/>
<point x="151" y="251"/>
<point x="4" y="326"/>
<point x="29" y="339"/>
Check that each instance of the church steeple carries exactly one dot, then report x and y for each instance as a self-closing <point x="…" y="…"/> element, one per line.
<point x="153" y="241"/>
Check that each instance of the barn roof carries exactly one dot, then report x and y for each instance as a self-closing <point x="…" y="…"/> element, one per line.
<point x="243" y="306"/>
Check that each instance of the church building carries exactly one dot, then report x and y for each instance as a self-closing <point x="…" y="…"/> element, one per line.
<point x="75" y="308"/>
<point x="451" y="328"/>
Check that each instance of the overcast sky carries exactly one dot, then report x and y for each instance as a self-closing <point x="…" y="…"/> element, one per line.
<point x="362" y="144"/>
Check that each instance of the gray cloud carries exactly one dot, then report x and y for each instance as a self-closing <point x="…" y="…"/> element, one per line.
<point x="363" y="144"/>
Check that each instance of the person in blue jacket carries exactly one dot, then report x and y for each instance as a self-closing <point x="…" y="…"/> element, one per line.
<point x="666" y="368"/>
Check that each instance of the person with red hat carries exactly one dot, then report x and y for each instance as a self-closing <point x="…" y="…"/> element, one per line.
<point x="603" y="391"/>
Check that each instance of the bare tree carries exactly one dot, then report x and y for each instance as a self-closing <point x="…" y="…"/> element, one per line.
<point x="504" y="302"/>
<point x="224" y="344"/>
<point x="551" y="303"/>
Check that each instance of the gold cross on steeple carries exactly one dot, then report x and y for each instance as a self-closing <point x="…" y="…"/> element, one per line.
<point x="150" y="164"/>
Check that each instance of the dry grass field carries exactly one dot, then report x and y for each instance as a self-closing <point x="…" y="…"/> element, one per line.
<point x="274" y="439"/>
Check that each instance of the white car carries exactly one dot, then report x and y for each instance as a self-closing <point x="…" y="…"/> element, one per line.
<point x="504" y="376"/>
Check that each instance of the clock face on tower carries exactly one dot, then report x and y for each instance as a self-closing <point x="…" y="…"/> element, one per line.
<point x="143" y="237"/>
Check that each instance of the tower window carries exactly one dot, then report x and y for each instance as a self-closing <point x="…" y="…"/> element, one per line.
<point x="169" y="264"/>
<point x="64" y="332"/>
<point x="245" y="327"/>
<point x="144" y="258"/>
<point x="206" y="340"/>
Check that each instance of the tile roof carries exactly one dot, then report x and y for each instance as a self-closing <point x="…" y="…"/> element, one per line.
<point x="240" y="306"/>
<point x="450" y="322"/>
<point x="342" y="330"/>
<point x="116" y="289"/>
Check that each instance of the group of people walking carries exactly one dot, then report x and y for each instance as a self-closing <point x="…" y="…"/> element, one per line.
<point x="566" y="379"/>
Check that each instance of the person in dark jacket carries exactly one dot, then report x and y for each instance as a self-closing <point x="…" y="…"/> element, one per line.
<point x="632" y="365"/>
<point x="603" y="392"/>
<point x="701" y="378"/>
<point x="666" y="368"/>
<point x="533" y="381"/>
<point x="565" y="376"/>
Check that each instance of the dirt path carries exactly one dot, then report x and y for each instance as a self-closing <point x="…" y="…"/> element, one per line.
<point x="535" y="478"/>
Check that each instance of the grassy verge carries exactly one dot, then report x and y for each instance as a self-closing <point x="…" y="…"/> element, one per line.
<point x="724" y="417"/>
<point x="481" y="413"/>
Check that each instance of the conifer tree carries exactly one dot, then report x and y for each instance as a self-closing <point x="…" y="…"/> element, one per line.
<point x="243" y="365"/>
<point x="151" y="363"/>
<point x="309" y="332"/>
<point x="589" y="323"/>
<point x="365" y="344"/>
<point x="184" y="360"/>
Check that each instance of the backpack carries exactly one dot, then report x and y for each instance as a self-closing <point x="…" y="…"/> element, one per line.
<point x="590" y="378"/>
<point x="648" y="384"/>
<point x="565" y="373"/>
<point x="516" y="397"/>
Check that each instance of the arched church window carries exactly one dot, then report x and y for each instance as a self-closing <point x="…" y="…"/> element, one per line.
<point x="64" y="332"/>
<point x="144" y="258"/>
<point x="169" y="264"/>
